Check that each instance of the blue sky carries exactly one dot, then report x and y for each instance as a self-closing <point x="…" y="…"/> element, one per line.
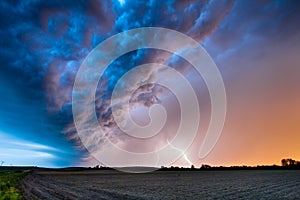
<point x="43" y="44"/>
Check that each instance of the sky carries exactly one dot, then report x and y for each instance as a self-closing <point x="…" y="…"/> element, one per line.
<point x="255" y="45"/>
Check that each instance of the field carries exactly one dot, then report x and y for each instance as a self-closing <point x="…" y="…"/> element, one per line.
<point x="252" y="184"/>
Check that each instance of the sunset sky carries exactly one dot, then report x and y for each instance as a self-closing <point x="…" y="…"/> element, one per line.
<point x="255" y="45"/>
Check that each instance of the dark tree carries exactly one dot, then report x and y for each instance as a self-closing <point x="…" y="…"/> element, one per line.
<point x="284" y="162"/>
<point x="204" y="166"/>
<point x="289" y="162"/>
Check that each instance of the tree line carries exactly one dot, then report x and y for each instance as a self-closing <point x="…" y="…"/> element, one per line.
<point x="288" y="162"/>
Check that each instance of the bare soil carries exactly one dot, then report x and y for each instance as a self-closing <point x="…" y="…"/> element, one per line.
<point x="256" y="184"/>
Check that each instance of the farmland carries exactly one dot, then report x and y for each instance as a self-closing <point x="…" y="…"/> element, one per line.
<point x="247" y="184"/>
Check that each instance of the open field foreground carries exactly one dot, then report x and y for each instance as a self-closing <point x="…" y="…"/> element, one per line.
<point x="259" y="184"/>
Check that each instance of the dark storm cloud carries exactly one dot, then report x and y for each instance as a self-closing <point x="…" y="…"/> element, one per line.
<point x="169" y="14"/>
<point x="253" y="23"/>
<point x="196" y="18"/>
<point x="43" y="44"/>
<point x="186" y="16"/>
<point x="29" y="46"/>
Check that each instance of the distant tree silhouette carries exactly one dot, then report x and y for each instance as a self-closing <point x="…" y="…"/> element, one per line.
<point x="2" y="162"/>
<point x="204" y="166"/>
<point x="290" y="163"/>
<point x="284" y="162"/>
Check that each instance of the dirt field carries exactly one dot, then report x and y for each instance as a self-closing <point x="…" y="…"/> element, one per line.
<point x="164" y="185"/>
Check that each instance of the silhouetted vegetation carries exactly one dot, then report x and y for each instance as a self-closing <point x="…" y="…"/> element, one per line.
<point x="204" y="166"/>
<point x="193" y="167"/>
<point x="286" y="164"/>
<point x="290" y="163"/>
<point x="101" y="167"/>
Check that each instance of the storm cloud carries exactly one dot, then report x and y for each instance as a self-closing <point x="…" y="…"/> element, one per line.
<point x="43" y="44"/>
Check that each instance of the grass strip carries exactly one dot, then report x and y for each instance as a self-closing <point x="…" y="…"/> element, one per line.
<point x="8" y="182"/>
